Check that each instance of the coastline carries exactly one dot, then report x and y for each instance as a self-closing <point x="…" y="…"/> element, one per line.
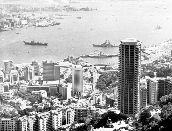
<point x="75" y="36"/>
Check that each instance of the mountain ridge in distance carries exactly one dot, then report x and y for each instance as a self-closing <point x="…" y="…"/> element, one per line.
<point x="34" y="1"/>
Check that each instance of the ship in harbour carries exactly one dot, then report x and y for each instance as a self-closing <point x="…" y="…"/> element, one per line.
<point x="99" y="55"/>
<point x="35" y="43"/>
<point x="105" y="44"/>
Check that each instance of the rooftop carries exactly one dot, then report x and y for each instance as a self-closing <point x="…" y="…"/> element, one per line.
<point x="77" y="67"/>
<point x="130" y="41"/>
<point x="7" y="61"/>
<point x="14" y="72"/>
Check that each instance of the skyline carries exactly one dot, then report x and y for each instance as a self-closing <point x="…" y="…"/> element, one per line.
<point x="87" y="66"/>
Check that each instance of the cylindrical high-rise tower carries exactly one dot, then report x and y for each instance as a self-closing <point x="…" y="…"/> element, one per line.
<point x="129" y="76"/>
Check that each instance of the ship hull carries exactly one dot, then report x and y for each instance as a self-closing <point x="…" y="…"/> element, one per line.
<point x="102" y="56"/>
<point x="104" y="46"/>
<point x="35" y="44"/>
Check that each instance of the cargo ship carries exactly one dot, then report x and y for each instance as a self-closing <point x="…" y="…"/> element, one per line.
<point x="105" y="44"/>
<point x="35" y="43"/>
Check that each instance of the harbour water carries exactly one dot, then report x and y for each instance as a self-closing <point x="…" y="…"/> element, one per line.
<point x="113" y="21"/>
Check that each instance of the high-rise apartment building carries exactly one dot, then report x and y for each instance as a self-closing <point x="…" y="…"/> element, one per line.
<point x="148" y="84"/>
<point x="164" y="87"/>
<point x="8" y="66"/>
<point x="28" y="73"/>
<point x="158" y="87"/>
<point x="129" y="76"/>
<point x="70" y="115"/>
<point x="14" y="77"/>
<point x="77" y="80"/>
<point x="51" y="71"/>
<point x="47" y="120"/>
<point x="169" y="85"/>
<point x="43" y="119"/>
<point x="57" y="118"/>
<point x="36" y="68"/>
<point x="81" y="113"/>
<point x="31" y="120"/>
<point x="65" y="91"/>
<point x="7" y="124"/>
<point x="95" y="76"/>
<point x="143" y="93"/>
<point x="152" y="89"/>
<point x="23" y="124"/>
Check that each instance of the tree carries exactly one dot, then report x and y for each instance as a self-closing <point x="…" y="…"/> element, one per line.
<point x="144" y="117"/>
<point x="69" y="79"/>
<point x="164" y="100"/>
<point x="39" y="98"/>
<point x="109" y="115"/>
<point x="62" y="76"/>
<point x="82" y="128"/>
<point x="107" y="80"/>
<point x="161" y="122"/>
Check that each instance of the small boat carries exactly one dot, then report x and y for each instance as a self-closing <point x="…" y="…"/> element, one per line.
<point x="105" y="44"/>
<point x="57" y="23"/>
<point x="158" y="27"/>
<point x="79" y="17"/>
<point x="35" y="43"/>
